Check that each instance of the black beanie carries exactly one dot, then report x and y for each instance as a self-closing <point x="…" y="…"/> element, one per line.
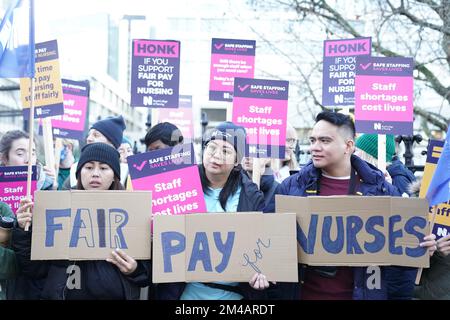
<point x="233" y="134"/>
<point x="112" y="128"/>
<point x="100" y="152"/>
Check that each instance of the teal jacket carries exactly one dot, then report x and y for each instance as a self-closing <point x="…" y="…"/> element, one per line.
<point x="7" y="257"/>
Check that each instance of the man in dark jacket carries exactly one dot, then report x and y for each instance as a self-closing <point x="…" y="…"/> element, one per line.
<point x="334" y="170"/>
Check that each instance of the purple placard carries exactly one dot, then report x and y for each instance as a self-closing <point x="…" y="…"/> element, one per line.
<point x="260" y="106"/>
<point x="230" y="58"/>
<point x="13" y="185"/>
<point x="339" y="60"/>
<point x="173" y="177"/>
<point x="155" y="73"/>
<point x="384" y="95"/>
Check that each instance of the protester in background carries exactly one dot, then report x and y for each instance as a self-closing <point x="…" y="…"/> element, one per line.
<point x="109" y="131"/>
<point x="397" y="173"/>
<point x="334" y="170"/>
<point x="163" y="135"/>
<point x="119" y="277"/>
<point x="267" y="182"/>
<point x="7" y="256"/>
<point x="14" y="151"/>
<point x="226" y="188"/>
<point x="66" y="160"/>
<point x="283" y="167"/>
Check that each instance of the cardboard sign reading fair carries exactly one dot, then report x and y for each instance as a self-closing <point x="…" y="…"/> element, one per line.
<point x="155" y="74"/>
<point x="13" y="185"/>
<point x="384" y="95"/>
<point x="359" y="231"/>
<point x="172" y="176"/>
<point x="48" y="94"/>
<point x="260" y="106"/>
<point x="224" y="247"/>
<point x="88" y="225"/>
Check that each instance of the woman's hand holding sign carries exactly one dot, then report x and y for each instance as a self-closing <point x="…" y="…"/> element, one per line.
<point x="24" y="213"/>
<point x="124" y="262"/>
<point x="259" y="282"/>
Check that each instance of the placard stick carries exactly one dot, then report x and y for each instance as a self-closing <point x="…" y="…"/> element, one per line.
<point x="433" y="217"/>
<point x="30" y="147"/>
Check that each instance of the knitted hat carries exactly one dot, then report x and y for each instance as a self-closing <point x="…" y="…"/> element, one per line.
<point x="112" y="128"/>
<point x="369" y="144"/>
<point x="167" y="132"/>
<point x="100" y="152"/>
<point x="233" y="134"/>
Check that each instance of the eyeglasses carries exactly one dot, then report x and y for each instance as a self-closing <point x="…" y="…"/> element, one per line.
<point x="211" y="149"/>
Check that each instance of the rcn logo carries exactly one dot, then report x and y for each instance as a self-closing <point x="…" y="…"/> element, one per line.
<point x="380" y="126"/>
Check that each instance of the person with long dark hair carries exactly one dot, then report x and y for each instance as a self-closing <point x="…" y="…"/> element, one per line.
<point x="119" y="277"/>
<point x="226" y="188"/>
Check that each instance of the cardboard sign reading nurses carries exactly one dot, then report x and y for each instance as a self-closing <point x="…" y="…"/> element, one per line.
<point x="230" y="58"/>
<point x="384" y="95"/>
<point x="339" y="69"/>
<point x="359" y="231"/>
<point x="88" y="225"/>
<point x="224" y="247"/>
<point x="48" y="94"/>
<point x="172" y="176"/>
<point x="13" y="185"/>
<point x="155" y="74"/>
<point x="260" y="106"/>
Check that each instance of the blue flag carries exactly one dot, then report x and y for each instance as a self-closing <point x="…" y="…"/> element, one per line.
<point x="439" y="189"/>
<point x="17" y="40"/>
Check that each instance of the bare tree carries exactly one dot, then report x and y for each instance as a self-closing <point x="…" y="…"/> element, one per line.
<point x="414" y="28"/>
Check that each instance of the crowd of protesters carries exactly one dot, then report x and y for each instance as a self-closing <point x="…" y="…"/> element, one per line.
<point x="340" y="165"/>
